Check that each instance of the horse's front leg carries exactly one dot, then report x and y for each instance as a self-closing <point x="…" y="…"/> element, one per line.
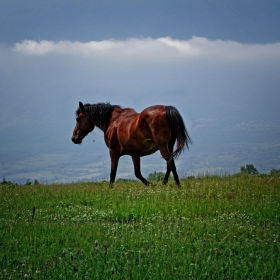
<point x="114" y="166"/>
<point x="137" y="170"/>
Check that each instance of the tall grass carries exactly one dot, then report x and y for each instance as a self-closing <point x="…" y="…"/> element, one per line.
<point x="212" y="228"/>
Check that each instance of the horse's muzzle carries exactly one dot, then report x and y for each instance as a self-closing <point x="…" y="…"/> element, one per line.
<point x="76" y="140"/>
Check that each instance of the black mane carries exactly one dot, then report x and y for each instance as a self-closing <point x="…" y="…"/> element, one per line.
<point x="99" y="113"/>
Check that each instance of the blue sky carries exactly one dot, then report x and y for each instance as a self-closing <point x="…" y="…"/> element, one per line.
<point x="83" y="20"/>
<point x="210" y="59"/>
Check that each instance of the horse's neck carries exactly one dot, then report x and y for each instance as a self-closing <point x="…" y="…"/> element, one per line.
<point x="120" y="116"/>
<point x="114" y="116"/>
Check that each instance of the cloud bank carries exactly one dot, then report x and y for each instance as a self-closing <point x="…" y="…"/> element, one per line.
<point x="203" y="78"/>
<point x="152" y="48"/>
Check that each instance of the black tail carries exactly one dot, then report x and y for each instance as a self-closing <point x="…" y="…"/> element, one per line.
<point x="178" y="127"/>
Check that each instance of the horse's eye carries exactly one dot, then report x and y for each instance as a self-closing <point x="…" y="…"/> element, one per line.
<point x="78" y="119"/>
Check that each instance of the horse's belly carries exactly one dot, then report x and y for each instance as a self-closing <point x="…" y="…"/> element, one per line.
<point x="145" y="148"/>
<point x="150" y="148"/>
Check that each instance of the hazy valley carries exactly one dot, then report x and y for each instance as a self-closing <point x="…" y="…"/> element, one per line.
<point x="219" y="146"/>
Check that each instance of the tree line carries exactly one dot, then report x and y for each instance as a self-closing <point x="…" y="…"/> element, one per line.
<point x="248" y="169"/>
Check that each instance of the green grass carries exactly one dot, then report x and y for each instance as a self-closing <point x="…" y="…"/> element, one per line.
<point x="212" y="228"/>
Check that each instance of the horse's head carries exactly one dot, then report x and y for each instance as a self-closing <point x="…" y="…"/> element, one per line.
<point x="83" y="126"/>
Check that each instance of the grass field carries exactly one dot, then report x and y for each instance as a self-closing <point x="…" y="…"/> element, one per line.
<point x="212" y="228"/>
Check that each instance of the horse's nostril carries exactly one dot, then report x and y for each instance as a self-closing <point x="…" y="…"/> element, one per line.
<point x="76" y="140"/>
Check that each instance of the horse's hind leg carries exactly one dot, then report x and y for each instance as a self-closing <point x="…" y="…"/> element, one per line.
<point x="137" y="171"/>
<point x="170" y="163"/>
<point x="168" y="170"/>
<point x="172" y="166"/>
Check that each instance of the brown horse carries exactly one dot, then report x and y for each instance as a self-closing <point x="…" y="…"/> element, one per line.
<point x="129" y="133"/>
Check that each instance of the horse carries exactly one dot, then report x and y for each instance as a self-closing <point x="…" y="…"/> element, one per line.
<point x="127" y="132"/>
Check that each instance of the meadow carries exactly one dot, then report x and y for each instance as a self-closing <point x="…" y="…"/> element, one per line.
<point x="214" y="227"/>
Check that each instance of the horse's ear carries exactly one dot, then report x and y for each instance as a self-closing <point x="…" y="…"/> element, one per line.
<point x="82" y="108"/>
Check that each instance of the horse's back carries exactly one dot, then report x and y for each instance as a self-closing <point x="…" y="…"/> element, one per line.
<point x="155" y="109"/>
<point x="155" y="117"/>
<point x="132" y="120"/>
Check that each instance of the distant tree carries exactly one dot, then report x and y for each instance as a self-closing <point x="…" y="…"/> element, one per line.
<point x="249" y="169"/>
<point x="28" y="182"/>
<point x="191" y="177"/>
<point x="124" y="180"/>
<point x="6" y="183"/>
<point x="157" y="176"/>
<point x="275" y="172"/>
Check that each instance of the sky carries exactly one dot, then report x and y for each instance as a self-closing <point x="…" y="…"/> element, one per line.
<point x="210" y="59"/>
